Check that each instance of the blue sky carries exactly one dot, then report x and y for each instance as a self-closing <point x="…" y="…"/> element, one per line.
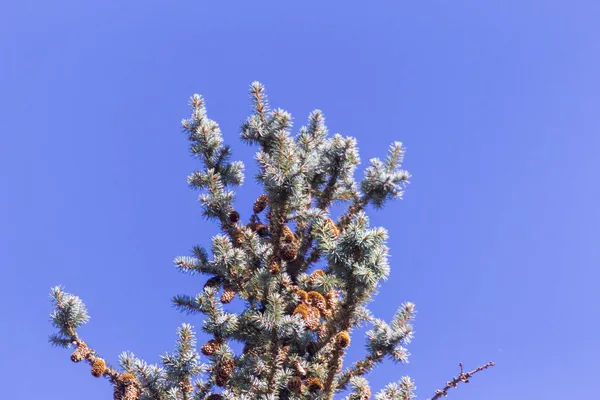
<point x="496" y="240"/>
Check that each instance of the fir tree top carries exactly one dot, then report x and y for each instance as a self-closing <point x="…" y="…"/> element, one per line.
<point x="305" y="277"/>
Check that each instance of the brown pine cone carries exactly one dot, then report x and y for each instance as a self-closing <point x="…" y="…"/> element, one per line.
<point x="237" y="237"/>
<point x="317" y="273"/>
<point x="302" y="310"/>
<point x="342" y="340"/>
<point x="186" y="386"/>
<point x="314" y="277"/>
<point x="261" y="230"/>
<point x="287" y="234"/>
<point x="209" y="348"/>
<point x="234" y="216"/>
<point x="294" y="385"/>
<point x="260" y="204"/>
<point x="288" y="253"/>
<point x="221" y="380"/>
<point x="215" y="396"/>
<point x="98" y="367"/>
<point x="302" y="294"/>
<point x="317" y="300"/>
<point x="224" y="371"/>
<point x="228" y="295"/>
<point x="126" y="378"/>
<point x="126" y="388"/>
<point x="81" y="353"/>
<point x="132" y="392"/>
<point x="314" y="384"/>
<point x="331" y="299"/>
<point x="312" y="320"/>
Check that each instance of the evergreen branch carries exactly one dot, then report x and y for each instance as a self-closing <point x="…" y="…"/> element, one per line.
<point x="69" y="313"/>
<point x="359" y="368"/>
<point x="260" y="104"/>
<point x="403" y="390"/>
<point x="462" y="377"/>
<point x="188" y="304"/>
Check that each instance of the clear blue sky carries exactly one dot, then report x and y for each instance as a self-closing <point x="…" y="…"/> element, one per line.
<point x="496" y="240"/>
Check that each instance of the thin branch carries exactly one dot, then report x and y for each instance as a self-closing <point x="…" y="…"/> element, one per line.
<point x="463" y="377"/>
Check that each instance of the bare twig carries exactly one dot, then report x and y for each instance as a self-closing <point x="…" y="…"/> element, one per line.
<point x="463" y="377"/>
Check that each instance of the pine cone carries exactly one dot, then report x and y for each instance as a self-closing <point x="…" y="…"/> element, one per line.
<point x="126" y="378"/>
<point x="302" y="310"/>
<point x="312" y="320"/>
<point x="220" y="380"/>
<point x="261" y="230"/>
<point x="186" y="386"/>
<point x="260" y="204"/>
<point x="302" y="294"/>
<point x="209" y="348"/>
<point x="234" y="216"/>
<point x="228" y="295"/>
<point x="287" y="234"/>
<point x="238" y="237"/>
<point x="314" y="384"/>
<point x="98" y="367"/>
<point x="314" y="277"/>
<point x="132" y="392"/>
<point x="227" y="366"/>
<point x="215" y="396"/>
<point x="295" y="385"/>
<point x="331" y="299"/>
<point x="342" y="340"/>
<point x="317" y="272"/>
<point x="288" y="253"/>
<point x="81" y="353"/>
<point x="224" y="371"/>
<point x="317" y="300"/>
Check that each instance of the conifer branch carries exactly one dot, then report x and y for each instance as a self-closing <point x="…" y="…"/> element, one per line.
<point x="462" y="377"/>
<point x="359" y="368"/>
<point x="295" y="324"/>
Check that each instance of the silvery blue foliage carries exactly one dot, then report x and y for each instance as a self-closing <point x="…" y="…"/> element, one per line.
<point x="297" y="279"/>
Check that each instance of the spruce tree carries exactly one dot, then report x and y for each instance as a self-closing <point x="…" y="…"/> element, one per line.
<point x="305" y="276"/>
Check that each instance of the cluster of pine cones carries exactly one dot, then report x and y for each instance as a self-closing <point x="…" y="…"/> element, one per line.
<point x="313" y="384"/>
<point x="126" y="387"/>
<point x="313" y="305"/>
